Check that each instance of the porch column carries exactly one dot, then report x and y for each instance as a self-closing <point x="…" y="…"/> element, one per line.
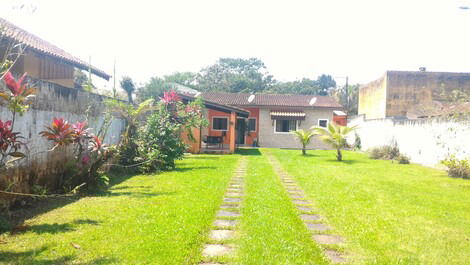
<point x="233" y="121"/>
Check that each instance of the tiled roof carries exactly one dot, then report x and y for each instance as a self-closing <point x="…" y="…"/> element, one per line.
<point x="43" y="47"/>
<point x="281" y="100"/>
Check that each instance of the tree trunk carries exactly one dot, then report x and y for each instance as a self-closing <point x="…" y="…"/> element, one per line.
<point x="339" y="155"/>
<point x="304" y="152"/>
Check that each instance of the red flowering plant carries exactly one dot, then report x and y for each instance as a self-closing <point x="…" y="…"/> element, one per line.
<point x="60" y="133"/>
<point x="170" y="97"/>
<point x="91" y="153"/>
<point x="18" y="96"/>
<point x="10" y="143"/>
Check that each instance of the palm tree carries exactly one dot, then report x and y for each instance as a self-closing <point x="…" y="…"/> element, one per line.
<point x="128" y="85"/>
<point x="335" y="135"/>
<point x="304" y="138"/>
<point x="133" y="115"/>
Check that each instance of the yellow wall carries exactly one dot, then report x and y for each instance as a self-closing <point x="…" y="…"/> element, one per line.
<point x="397" y="92"/>
<point x="372" y="99"/>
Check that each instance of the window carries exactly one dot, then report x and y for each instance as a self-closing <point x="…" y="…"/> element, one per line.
<point x="252" y="125"/>
<point x="323" y="123"/>
<point x="285" y="126"/>
<point x="219" y="124"/>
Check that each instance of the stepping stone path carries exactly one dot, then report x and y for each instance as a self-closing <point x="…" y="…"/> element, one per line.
<point x="226" y="221"/>
<point x="319" y="230"/>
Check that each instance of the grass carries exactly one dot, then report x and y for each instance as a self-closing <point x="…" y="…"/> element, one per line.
<point x="146" y="219"/>
<point x="270" y="230"/>
<point x="389" y="213"/>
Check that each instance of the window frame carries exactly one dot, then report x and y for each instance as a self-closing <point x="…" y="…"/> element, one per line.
<point x="219" y="117"/>
<point x="256" y="125"/>
<point x="275" y="126"/>
<point x="327" y="122"/>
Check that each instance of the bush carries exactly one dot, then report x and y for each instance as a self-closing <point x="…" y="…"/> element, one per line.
<point x="403" y="159"/>
<point x="457" y="168"/>
<point x="386" y="152"/>
<point x="160" y="143"/>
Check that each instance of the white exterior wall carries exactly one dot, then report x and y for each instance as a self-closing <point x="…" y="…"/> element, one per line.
<point x="269" y="138"/>
<point x="53" y="101"/>
<point x="426" y="142"/>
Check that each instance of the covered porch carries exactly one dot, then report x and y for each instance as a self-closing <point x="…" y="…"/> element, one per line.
<point x="224" y="141"/>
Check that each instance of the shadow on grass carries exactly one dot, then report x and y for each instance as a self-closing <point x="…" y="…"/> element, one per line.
<point x="184" y="169"/>
<point x="248" y="152"/>
<point x="30" y="257"/>
<point x="348" y="162"/>
<point x="136" y="194"/>
<point x="54" y="228"/>
<point x="19" y="214"/>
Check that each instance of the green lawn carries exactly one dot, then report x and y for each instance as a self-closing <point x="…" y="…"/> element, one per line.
<point x="270" y="230"/>
<point x="146" y="219"/>
<point x="389" y="213"/>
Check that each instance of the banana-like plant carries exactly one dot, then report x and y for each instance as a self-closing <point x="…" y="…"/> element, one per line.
<point x="335" y="135"/>
<point x="304" y="138"/>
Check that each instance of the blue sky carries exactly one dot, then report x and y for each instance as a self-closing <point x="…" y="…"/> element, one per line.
<point x="361" y="39"/>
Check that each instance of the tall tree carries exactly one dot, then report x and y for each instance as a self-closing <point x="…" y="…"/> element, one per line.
<point x="325" y="82"/>
<point x="235" y="75"/>
<point x="183" y="78"/>
<point x="305" y="86"/>
<point x="153" y="89"/>
<point x="128" y="85"/>
<point x="348" y="97"/>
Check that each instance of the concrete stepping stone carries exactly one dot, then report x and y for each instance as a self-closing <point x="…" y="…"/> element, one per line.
<point x="221" y="234"/>
<point x="213" y="250"/>
<point x="304" y="208"/>
<point x="301" y="202"/>
<point x="225" y="223"/>
<point x="232" y="200"/>
<point x="233" y="194"/>
<point x="297" y="196"/>
<point x="229" y="206"/>
<point x="235" y="186"/>
<point x="328" y="239"/>
<point x="334" y="256"/>
<point x="317" y="227"/>
<point x="205" y="263"/>
<point x="310" y="217"/>
<point x="223" y="213"/>
<point x="234" y="190"/>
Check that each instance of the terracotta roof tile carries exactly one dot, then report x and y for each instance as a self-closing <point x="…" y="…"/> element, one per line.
<point x="281" y="100"/>
<point x="39" y="45"/>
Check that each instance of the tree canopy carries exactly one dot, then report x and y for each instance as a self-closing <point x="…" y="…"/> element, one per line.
<point x="237" y="75"/>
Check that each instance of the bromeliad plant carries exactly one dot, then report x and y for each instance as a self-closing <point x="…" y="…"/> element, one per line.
<point x="335" y="135"/>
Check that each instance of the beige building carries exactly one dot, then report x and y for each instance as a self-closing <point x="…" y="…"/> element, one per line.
<point x="412" y="94"/>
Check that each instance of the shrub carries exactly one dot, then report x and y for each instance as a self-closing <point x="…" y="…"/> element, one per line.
<point x="402" y="159"/>
<point x="386" y="152"/>
<point x="357" y="142"/>
<point x="160" y="143"/>
<point x="457" y="168"/>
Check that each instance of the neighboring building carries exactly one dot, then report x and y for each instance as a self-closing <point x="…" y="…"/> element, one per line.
<point x="271" y="118"/>
<point x="412" y="94"/>
<point x="42" y="60"/>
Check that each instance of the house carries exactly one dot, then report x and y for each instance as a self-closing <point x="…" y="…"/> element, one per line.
<point x="413" y="94"/>
<point x="41" y="59"/>
<point x="271" y="119"/>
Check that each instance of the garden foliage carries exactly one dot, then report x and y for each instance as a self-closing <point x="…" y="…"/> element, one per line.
<point x="457" y="168"/>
